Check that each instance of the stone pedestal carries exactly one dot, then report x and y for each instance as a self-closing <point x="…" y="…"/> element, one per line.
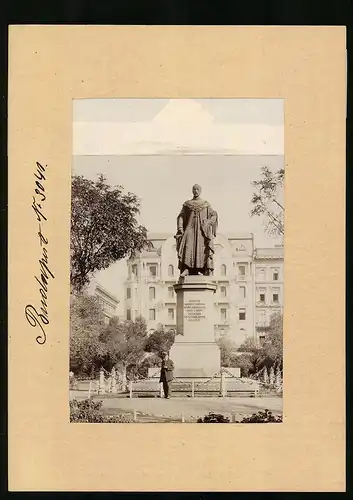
<point x="195" y="353"/>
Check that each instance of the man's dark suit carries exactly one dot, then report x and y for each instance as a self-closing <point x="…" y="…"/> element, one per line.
<point x="167" y="376"/>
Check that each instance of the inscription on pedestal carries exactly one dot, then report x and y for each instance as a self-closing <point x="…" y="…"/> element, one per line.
<point x="194" y="310"/>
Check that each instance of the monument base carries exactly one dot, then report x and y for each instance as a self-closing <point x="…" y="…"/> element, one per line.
<point x="195" y="353"/>
<point x="195" y="359"/>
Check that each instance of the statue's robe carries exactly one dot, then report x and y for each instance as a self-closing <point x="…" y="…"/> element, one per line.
<point x="195" y="247"/>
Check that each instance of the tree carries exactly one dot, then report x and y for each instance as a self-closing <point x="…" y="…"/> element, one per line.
<point x="267" y="200"/>
<point x="86" y="324"/>
<point x="228" y="351"/>
<point x="125" y="343"/>
<point x="160" y="341"/>
<point x="270" y="353"/>
<point x="273" y="345"/>
<point x="249" y="345"/>
<point x="245" y="363"/>
<point x="104" y="228"/>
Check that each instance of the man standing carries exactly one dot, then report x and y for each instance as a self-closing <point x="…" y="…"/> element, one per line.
<point x="166" y="374"/>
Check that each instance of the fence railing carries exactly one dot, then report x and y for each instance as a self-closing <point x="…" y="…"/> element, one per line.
<point x="222" y="383"/>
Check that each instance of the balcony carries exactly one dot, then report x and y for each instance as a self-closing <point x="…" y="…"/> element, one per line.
<point x="170" y="279"/>
<point x="261" y="303"/>
<point x="262" y="326"/>
<point x="220" y="277"/>
<point x="132" y="277"/>
<point x="152" y="279"/>
<point x="223" y="322"/>
<point x="169" y="300"/>
<point x="222" y="300"/>
<point x="169" y="325"/>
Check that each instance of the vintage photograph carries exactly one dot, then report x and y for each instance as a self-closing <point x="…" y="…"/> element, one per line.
<point x="177" y="261"/>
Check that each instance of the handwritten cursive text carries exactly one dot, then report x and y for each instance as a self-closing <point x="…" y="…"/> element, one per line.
<point x="38" y="317"/>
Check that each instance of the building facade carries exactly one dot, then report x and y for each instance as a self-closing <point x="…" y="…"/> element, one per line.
<point x="249" y="286"/>
<point x="107" y="300"/>
<point x="268" y="287"/>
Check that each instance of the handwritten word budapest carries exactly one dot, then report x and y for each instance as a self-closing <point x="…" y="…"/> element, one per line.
<point x="194" y="309"/>
<point x="38" y="316"/>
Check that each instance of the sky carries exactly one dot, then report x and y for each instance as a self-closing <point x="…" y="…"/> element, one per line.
<point x="177" y="126"/>
<point x="159" y="148"/>
<point x="166" y="181"/>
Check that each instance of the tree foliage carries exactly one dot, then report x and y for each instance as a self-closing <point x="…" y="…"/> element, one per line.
<point x="228" y="351"/>
<point x="124" y="343"/>
<point x="86" y="323"/>
<point x="94" y="344"/>
<point x="267" y="200"/>
<point x="245" y="363"/>
<point x="251" y="357"/>
<point x="270" y="353"/>
<point x="104" y="228"/>
<point x="273" y="345"/>
<point x="160" y="341"/>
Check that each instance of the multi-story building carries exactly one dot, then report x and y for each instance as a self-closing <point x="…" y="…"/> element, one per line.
<point x="107" y="300"/>
<point x="268" y="286"/>
<point x="238" y="274"/>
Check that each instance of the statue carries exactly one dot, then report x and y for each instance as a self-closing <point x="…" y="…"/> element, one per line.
<point x="196" y="230"/>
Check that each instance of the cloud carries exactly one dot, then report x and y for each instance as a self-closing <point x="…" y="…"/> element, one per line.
<point x="183" y="112"/>
<point x="181" y="126"/>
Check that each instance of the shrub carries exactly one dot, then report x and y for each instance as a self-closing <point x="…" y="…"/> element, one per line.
<point x="213" y="418"/>
<point x="89" y="411"/>
<point x="262" y="417"/>
<point x="86" y="411"/>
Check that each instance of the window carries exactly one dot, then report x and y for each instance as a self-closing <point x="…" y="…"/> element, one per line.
<point x="222" y="332"/>
<point x="275" y="275"/>
<point x="241" y="270"/>
<point x="243" y="333"/>
<point x="223" y="270"/>
<point x="170" y="270"/>
<point x="152" y="292"/>
<point x="262" y="297"/>
<point x="261" y="274"/>
<point x="171" y="314"/>
<point x="275" y="297"/>
<point x="152" y="314"/>
<point x="134" y="270"/>
<point x="170" y="292"/>
<point x="223" y="291"/>
<point x="262" y="339"/>
<point x="128" y="314"/>
<point x="152" y="270"/>
<point x="223" y="314"/>
<point x="262" y="317"/>
<point x="242" y="292"/>
<point x="128" y="293"/>
<point x="242" y="314"/>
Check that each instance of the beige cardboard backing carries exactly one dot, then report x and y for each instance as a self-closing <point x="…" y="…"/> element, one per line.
<point x="51" y="65"/>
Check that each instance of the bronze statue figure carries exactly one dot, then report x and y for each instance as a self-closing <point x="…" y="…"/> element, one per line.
<point x="196" y="230"/>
